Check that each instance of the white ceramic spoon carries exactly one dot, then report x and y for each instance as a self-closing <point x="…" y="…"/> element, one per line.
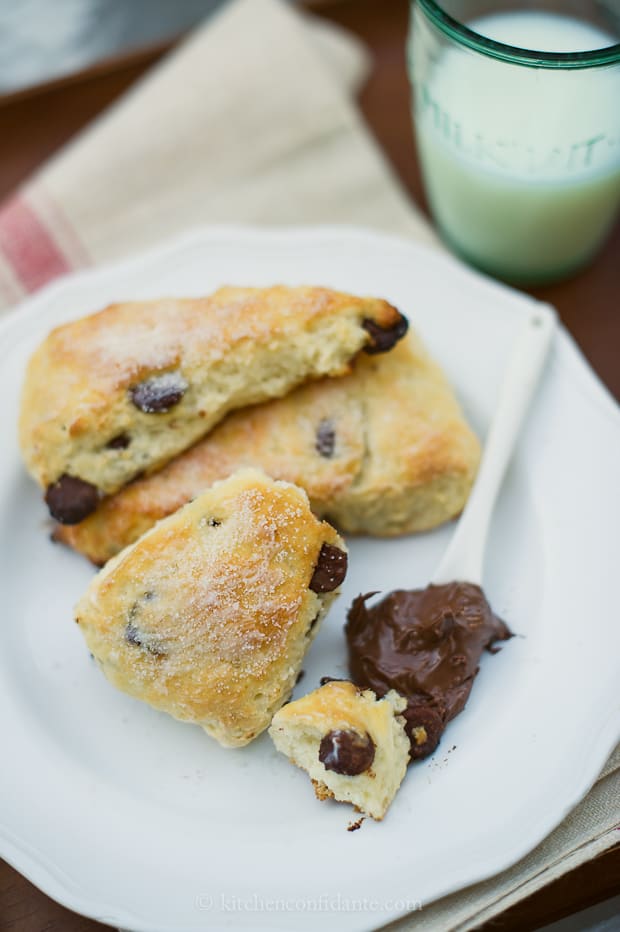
<point x="463" y="560"/>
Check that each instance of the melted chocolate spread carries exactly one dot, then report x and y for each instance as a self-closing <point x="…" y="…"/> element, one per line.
<point x="426" y="644"/>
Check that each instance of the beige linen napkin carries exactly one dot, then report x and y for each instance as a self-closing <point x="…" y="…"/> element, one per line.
<point x="588" y="831"/>
<point x="252" y="120"/>
<point x="249" y="121"/>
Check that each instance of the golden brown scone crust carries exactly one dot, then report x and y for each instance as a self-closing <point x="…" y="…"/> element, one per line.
<point x="209" y="615"/>
<point x="298" y="728"/>
<point x="87" y="402"/>
<point x="403" y="457"/>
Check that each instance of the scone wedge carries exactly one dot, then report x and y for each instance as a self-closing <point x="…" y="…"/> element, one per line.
<point x="352" y="745"/>
<point x="121" y="392"/>
<point x="209" y="615"/>
<point x="385" y="450"/>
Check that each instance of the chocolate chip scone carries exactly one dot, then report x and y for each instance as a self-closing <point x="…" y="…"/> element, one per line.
<point x="382" y="451"/>
<point x="121" y="392"/>
<point x="352" y="745"/>
<point x="209" y="615"/>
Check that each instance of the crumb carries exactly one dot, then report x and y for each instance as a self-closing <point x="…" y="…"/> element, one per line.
<point x="321" y="791"/>
<point x="420" y="734"/>
<point x="353" y="826"/>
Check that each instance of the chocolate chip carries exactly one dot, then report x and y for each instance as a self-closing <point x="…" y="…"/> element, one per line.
<point x="133" y="635"/>
<point x="209" y="522"/>
<point x="159" y="393"/>
<point x="384" y="338"/>
<point x="424" y="729"/>
<point x="347" y="752"/>
<point x="331" y="679"/>
<point x="120" y="442"/>
<point x="325" y="438"/>
<point x="70" y="499"/>
<point x="330" y="569"/>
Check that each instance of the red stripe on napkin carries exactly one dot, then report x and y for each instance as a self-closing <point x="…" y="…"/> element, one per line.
<point x="53" y="218"/>
<point x="28" y="246"/>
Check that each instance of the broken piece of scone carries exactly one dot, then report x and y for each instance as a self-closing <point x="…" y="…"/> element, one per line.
<point x="120" y="393"/>
<point x="352" y="745"/>
<point x="208" y="616"/>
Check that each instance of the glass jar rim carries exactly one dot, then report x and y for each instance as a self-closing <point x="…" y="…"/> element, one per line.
<point x="462" y="34"/>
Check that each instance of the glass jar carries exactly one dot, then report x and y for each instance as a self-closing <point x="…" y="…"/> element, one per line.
<point x="519" y="148"/>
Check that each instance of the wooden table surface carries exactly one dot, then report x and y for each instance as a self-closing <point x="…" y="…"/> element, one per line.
<point x="34" y="124"/>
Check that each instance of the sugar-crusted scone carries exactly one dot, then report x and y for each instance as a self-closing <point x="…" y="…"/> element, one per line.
<point x="352" y="745"/>
<point x="121" y="392"/>
<point x="209" y="615"/>
<point x="382" y="451"/>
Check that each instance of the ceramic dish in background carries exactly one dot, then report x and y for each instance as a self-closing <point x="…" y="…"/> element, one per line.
<point x="125" y="815"/>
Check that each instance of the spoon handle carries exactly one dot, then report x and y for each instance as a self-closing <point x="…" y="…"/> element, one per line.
<point x="464" y="557"/>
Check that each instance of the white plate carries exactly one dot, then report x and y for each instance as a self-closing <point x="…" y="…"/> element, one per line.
<point x="130" y="817"/>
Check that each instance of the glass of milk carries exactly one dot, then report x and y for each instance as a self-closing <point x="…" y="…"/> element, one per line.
<point x="517" y="115"/>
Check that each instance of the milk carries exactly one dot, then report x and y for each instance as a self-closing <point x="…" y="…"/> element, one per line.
<point x="522" y="165"/>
